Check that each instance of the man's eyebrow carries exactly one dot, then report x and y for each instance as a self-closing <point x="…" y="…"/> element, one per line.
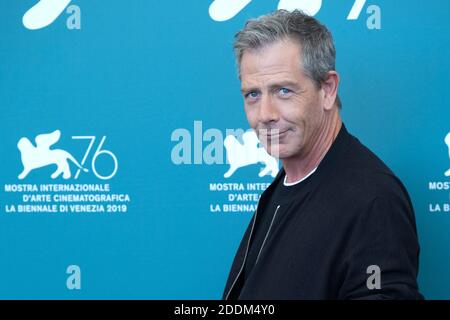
<point x="276" y="85"/>
<point x="286" y="83"/>
<point x="249" y="89"/>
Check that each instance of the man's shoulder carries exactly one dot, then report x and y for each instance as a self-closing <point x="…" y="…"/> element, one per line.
<point x="358" y="157"/>
<point x="361" y="173"/>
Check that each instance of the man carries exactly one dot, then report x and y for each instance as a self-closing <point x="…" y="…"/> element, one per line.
<point x="335" y="223"/>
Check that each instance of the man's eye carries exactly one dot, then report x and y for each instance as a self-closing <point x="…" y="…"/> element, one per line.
<point x="284" y="91"/>
<point x="251" y="95"/>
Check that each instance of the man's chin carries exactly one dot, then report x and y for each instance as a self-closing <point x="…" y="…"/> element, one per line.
<point x="279" y="153"/>
<point x="275" y="152"/>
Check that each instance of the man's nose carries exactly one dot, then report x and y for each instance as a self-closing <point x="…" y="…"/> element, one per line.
<point x="267" y="110"/>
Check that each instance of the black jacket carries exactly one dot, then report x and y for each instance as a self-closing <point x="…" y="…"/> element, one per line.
<point x="354" y="213"/>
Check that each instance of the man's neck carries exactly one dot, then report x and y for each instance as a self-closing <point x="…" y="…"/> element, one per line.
<point x="297" y="168"/>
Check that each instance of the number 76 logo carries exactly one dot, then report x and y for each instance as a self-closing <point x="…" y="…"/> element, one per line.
<point x="40" y="154"/>
<point x="97" y="153"/>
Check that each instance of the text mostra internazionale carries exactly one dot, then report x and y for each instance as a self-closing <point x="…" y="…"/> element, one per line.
<point x="69" y="187"/>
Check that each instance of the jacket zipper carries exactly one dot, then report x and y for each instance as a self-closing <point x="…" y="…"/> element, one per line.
<point x="248" y="246"/>
<point x="246" y="252"/>
<point x="267" y="234"/>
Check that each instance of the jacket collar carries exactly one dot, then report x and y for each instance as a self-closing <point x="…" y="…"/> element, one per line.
<point x="331" y="157"/>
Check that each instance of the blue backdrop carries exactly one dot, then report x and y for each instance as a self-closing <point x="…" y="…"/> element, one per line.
<point x="135" y="86"/>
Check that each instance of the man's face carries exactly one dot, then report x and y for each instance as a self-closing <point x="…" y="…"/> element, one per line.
<point x="282" y="105"/>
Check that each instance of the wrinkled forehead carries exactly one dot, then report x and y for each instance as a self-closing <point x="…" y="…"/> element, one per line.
<point x="280" y="55"/>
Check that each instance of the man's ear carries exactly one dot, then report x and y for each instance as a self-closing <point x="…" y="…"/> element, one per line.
<point x="329" y="88"/>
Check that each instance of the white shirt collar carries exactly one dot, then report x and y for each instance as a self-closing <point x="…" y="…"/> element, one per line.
<point x="289" y="184"/>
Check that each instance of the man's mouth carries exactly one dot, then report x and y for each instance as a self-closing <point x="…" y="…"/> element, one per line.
<point x="272" y="134"/>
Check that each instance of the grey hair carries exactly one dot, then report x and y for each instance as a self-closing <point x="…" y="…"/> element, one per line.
<point x="315" y="40"/>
